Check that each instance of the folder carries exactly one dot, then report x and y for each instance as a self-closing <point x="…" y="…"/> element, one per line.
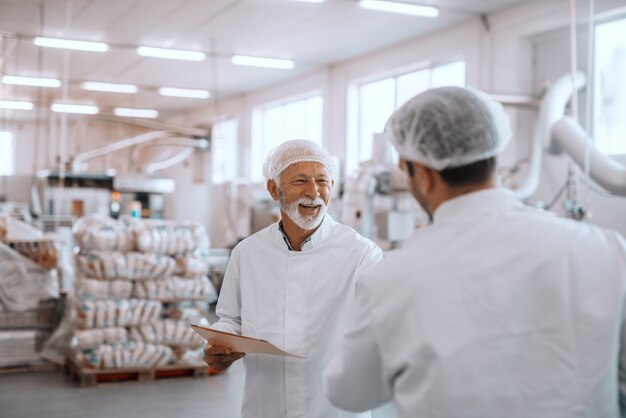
<point x="240" y="343"/>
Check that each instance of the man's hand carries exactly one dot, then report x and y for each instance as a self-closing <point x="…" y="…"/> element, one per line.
<point x="219" y="358"/>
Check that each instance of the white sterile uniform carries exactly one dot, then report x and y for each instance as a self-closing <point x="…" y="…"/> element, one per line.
<point x="298" y="301"/>
<point x="495" y="310"/>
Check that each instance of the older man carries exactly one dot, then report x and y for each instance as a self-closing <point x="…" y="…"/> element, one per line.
<point x="495" y="309"/>
<point x="291" y="284"/>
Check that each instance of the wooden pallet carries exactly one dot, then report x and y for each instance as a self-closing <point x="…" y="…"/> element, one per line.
<point x="87" y="377"/>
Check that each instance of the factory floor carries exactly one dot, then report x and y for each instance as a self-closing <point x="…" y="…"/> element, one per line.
<point x="51" y="395"/>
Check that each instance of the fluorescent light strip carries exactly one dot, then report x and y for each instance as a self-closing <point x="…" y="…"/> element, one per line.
<point x="70" y="44"/>
<point x="136" y="113"/>
<point x="31" y="81"/>
<point x="175" y="54"/>
<point x="192" y="93"/>
<point x="74" y="108"/>
<point x="403" y="8"/>
<point x="262" y="62"/>
<point x="110" y="87"/>
<point x="13" y="104"/>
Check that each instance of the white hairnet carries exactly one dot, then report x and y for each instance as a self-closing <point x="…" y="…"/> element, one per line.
<point x="296" y="151"/>
<point x="449" y="127"/>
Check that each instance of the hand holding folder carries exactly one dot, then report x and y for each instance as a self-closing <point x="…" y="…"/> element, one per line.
<point x="239" y="343"/>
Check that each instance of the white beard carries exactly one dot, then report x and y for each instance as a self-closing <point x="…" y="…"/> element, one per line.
<point x="305" y="222"/>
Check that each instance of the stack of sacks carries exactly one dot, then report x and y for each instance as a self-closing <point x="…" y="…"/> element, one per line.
<point x="187" y="346"/>
<point x="152" y="262"/>
<point x="104" y="265"/>
<point x="175" y="289"/>
<point x="91" y="289"/>
<point x="116" y="313"/>
<point x="103" y="233"/>
<point x="126" y="355"/>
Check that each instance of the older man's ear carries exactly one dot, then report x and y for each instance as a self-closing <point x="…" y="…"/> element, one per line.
<point x="272" y="188"/>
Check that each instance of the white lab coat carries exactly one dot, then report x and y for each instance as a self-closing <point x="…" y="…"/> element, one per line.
<point x="297" y="301"/>
<point x="495" y="310"/>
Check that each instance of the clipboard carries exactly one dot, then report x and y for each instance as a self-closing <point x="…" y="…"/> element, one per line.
<point x="240" y="343"/>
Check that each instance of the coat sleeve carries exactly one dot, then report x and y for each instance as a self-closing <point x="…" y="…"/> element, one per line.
<point x="372" y="255"/>
<point x="622" y="371"/>
<point x="354" y="379"/>
<point x="622" y="351"/>
<point x="229" y="303"/>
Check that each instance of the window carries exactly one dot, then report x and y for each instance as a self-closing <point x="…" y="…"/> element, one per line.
<point x="609" y="123"/>
<point x="274" y="124"/>
<point x="377" y="100"/>
<point x="224" y="151"/>
<point x="6" y="154"/>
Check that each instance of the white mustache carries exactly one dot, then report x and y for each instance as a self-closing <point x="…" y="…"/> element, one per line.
<point x="310" y="202"/>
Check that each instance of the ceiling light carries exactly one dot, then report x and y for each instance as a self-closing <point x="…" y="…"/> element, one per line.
<point x="31" y="81"/>
<point x="403" y="8"/>
<point x="69" y="44"/>
<point x="311" y="1"/>
<point x="12" y="104"/>
<point x="262" y="62"/>
<point x="74" y="108"/>
<point x="110" y="87"/>
<point x="136" y="113"/>
<point x="175" y="54"/>
<point x="193" y="93"/>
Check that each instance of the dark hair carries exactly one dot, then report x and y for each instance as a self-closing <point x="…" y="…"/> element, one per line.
<point x="474" y="173"/>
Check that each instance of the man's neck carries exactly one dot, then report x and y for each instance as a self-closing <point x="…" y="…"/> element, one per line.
<point x="451" y="193"/>
<point x="294" y="233"/>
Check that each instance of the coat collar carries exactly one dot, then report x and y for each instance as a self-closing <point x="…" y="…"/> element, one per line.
<point x="318" y="237"/>
<point x="476" y="204"/>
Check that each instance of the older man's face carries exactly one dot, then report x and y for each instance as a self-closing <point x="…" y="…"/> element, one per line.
<point x="304" y="192"/>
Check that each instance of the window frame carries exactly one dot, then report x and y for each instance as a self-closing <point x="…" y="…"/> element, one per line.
<point x="235" y="168"/>
<point x="12" y="166"/>
<point x="593" y="122"/>
<point x="354" y="140"/>
<point x="257" y="128"/>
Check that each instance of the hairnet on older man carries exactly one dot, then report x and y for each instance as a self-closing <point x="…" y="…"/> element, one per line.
<point x="296" y="151"/>
<point x="449" y="127"/>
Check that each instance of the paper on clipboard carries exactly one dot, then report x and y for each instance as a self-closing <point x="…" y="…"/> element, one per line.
<point x="239" y="343"/>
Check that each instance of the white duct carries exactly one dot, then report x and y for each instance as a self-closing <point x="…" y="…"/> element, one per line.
<point x="155" y="166"/>
<point x="201" y="144"/>
<point x="116" y="146"/>
<point x="571" y="138"/>
<point x="551" y="110"/>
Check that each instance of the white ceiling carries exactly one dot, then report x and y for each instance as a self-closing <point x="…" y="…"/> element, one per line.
<point x="313" y="35"/>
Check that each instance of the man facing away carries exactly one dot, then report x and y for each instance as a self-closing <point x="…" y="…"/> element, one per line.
<point x="291" y="284"/>
<point x="495" y="309"/>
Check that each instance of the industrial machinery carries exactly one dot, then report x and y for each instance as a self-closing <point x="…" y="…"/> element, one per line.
<point x="376" y="201"/>
<point x="72" y="193"/>
<point x="557" y="133"/>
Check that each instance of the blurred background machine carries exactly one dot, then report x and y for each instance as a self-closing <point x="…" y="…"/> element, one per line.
<point x="73" y="190"/>
<point x="377" y="202"/>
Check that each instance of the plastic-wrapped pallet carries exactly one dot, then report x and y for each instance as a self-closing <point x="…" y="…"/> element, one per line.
<point x="125" y="282"/>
